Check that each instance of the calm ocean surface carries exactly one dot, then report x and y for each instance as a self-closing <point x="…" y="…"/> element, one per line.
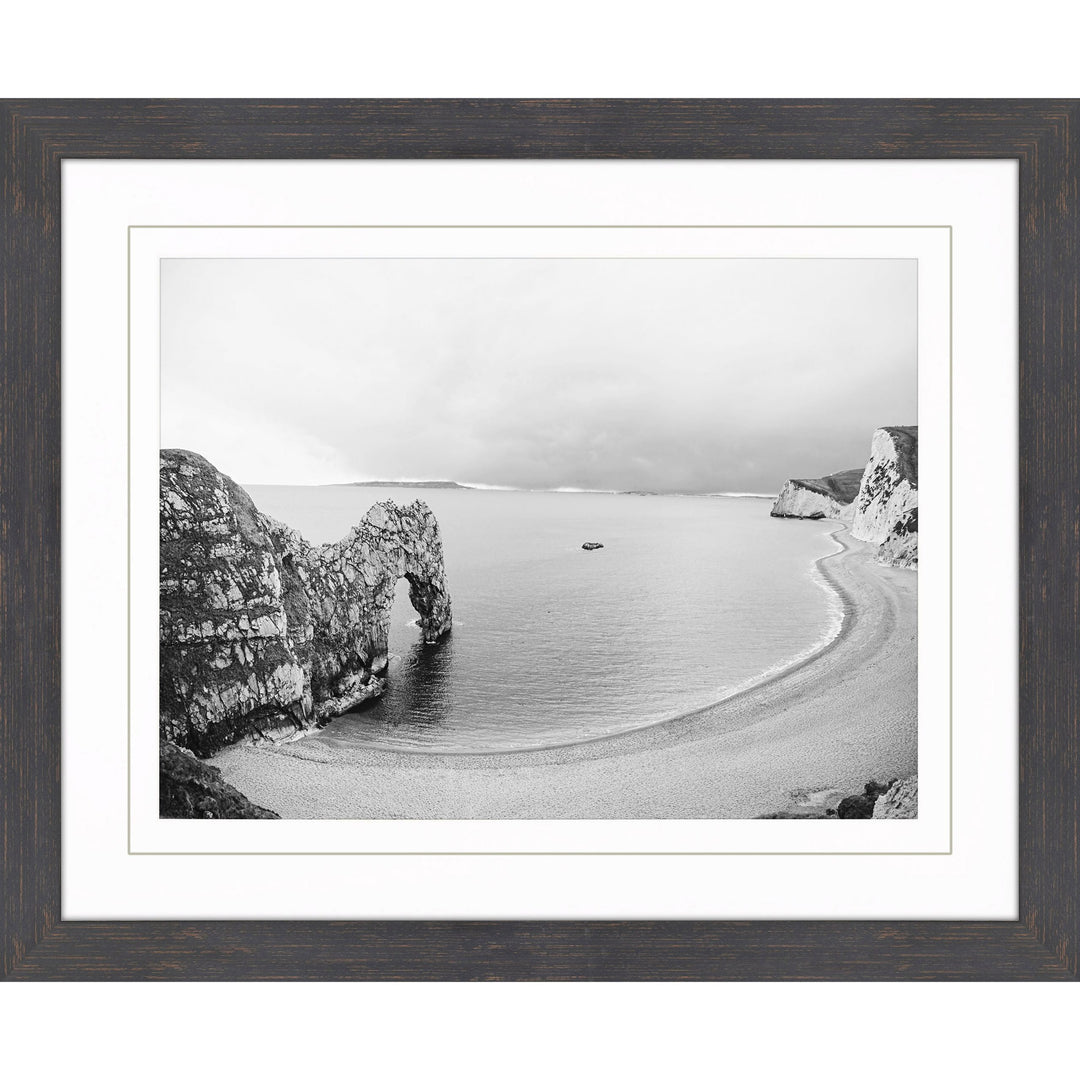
<point x="690" y="600"/>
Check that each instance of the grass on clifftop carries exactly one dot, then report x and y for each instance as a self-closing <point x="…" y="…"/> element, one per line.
<point x="841" y="486"/>
<point x="907" y="452"/>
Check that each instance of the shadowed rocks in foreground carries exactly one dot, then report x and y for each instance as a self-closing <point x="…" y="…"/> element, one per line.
<point x="893" y="799"/>
<point x="262" y="632"/>
<point x="888" y="799"/>
<point x="862" y="805"/>
<point x="190" y="788"/>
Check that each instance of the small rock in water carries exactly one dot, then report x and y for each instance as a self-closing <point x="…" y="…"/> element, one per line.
<point x="591" y="545"/>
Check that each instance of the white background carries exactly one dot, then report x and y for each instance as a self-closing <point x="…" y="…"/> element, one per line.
<point x="778" y="49"/>
<point x="562" y="48"/>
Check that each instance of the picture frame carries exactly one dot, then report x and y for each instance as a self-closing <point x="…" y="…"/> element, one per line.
<point x="38" y="944"/>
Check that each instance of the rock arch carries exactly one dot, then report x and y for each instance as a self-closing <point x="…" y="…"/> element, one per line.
<point x="261" y="630"/>
<point x="353" y="583"/>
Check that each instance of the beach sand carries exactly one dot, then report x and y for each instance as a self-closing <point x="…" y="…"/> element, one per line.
<point x="799" y="739"/>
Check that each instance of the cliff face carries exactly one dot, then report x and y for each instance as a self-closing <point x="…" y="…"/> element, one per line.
<point x="830" y="497"/>
<point x="901" y="546"/>
<point x="881" y="501"/>
<point x="261" y="630"/>
<point x="890" y="485"/>
<point x="900" y="801"/>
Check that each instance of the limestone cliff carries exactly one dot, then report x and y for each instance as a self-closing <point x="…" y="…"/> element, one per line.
<point x="261" y="630"/>
<point x="890" y="487"/>
<point x="901" y="546"/>
<point x="830" y="497"/>
<point x="880" y="501"/>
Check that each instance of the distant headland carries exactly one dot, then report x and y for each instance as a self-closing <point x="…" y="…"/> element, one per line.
<point x="407" y="484"/>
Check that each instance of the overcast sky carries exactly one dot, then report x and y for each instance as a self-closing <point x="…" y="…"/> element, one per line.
<point x="668" y="374"/>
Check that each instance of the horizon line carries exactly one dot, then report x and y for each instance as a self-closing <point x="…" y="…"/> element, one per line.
<point x="436" y="485"/>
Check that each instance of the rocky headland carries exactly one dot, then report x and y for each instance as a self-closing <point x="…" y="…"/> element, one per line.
<point x="879" y="502"/>
<point x="832" y="496"/>
<point x="263" y="633"/>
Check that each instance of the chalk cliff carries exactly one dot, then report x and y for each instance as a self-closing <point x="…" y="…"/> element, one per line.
<point x="890" y="484"/>
<point x="880" y="501"/>
<point x="830" y="497"/>
<point x="901" y="546"/>
<point x="262" y="631"/>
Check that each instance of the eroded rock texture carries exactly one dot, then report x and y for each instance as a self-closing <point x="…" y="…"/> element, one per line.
<point x="900" y="801"/>
<point x="830" y="497"/>
<point x="901" y="546"/>
<point x="261" y="630"/>
<point x="889" y="492"/>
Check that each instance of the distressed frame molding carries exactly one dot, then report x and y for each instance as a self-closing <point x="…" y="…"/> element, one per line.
<point x="36" y="944"/>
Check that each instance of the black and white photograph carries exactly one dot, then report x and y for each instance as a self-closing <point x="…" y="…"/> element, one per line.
<point x="539" y="538"/>
<point x="508" y="505"/>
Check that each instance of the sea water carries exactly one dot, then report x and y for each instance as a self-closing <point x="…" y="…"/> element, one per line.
<point x="691" y="599"/>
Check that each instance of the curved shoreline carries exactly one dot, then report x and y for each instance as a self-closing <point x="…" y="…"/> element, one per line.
<point x="837" y="717"/>
<point x="564" y="751"/>
<point x="766" y="678"/>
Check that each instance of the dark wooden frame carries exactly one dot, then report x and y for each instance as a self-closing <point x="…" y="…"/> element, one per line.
<point x="35" y="943"/>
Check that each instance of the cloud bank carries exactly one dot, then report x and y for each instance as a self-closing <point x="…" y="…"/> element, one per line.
<point x="661" y="374"/>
